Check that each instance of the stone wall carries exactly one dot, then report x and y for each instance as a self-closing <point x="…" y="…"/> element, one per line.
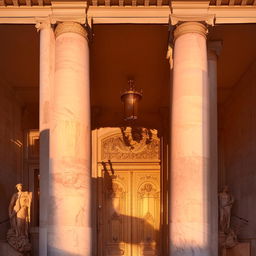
<point x="238" y="145"/>
<point x="10" y="150"/>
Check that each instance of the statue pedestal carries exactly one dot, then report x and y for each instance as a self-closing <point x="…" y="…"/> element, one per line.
<point x="241" y="249"/>
<point x="7" y="250"/>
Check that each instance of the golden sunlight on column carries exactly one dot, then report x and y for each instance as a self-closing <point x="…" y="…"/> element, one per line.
<point x="69" y="225"/>
<point x="189" y="177"/>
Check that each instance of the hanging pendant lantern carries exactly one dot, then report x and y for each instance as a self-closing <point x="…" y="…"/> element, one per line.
<point x="130" y="99"/>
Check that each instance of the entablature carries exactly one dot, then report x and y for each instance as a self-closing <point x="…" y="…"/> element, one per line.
<point x="127" y="11"/>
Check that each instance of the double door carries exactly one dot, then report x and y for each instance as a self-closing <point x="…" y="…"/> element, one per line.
<point x="129" y="213"/>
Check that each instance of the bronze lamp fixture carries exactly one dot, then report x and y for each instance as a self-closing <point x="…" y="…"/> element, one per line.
<point x="130" y="99"/>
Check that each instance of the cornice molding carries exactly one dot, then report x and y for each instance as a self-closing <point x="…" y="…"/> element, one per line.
<point x="189" y="7"/>
<point x="233" y="14"/>
<point x="195" y="11"/>
<point x="59" y="11"/>
<point x="69" y="11"/>
<point x="70" y="27"/>
<point x="130" y="14"/>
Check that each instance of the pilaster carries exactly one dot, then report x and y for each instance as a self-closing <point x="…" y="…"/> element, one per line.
<point x="214" y="50"/>
<point x="47" y="59"/>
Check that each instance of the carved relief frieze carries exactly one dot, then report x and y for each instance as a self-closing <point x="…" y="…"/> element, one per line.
<point x="115" y="149"/>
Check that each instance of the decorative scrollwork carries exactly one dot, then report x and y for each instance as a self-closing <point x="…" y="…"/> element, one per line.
<point x="148" y="189"/>
<point x="128" y="146"/>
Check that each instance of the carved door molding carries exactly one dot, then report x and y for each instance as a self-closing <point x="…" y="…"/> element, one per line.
<point x="113" y="146"/>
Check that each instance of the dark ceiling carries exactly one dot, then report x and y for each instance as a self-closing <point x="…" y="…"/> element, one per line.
<point x="120" y="52"/>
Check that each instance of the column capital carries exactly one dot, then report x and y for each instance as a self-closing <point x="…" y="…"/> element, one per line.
<point x="190" y="27"/>
<point x="214" y="48"/>
<point x="44" y="24"/>
<point x="69" y="26"/>
<point x="207" y="19"/>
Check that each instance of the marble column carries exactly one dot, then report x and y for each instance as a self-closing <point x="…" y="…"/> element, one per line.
<point x="214" y="48"/>
<point x="69" y="212"/>
<point x="190" y="194"/>
<point x="47" y="42"/>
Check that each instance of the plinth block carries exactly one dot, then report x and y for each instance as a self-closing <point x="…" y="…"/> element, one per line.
<point x="241" y="249"/>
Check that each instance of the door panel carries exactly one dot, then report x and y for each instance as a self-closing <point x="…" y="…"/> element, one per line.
<point x="145" y="212"/>
<point x="116" y="209"/>
<point x="130" y="212"/>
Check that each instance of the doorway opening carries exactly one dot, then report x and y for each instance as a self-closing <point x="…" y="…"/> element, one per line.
<point x="128" y="184"/>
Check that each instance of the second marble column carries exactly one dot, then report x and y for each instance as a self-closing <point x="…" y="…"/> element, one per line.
<point x="190" y="145"/>
<point x="69" y="224"/>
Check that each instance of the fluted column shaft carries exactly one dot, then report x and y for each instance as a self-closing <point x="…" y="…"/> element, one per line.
<point x="190" y="145"/>
<point x="47" y="42"/>
<point x="69" y="225"/>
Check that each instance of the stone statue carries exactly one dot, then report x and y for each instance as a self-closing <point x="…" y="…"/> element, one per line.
<point x="231" y="239"/>
<point x="19" y="214"/>
<point x="226" y="201"/>
<point x="227" y="236"/>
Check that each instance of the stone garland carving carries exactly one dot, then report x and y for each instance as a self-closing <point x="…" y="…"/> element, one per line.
<point x="19" y="214"/>
<point x="115" y="148"/>
<point x="136" y="134"/>
<point x="227" y="236"/>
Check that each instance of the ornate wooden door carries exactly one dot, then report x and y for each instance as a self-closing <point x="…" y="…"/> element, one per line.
<point x="128" y="201"/>
<point x="131" y="212"/>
